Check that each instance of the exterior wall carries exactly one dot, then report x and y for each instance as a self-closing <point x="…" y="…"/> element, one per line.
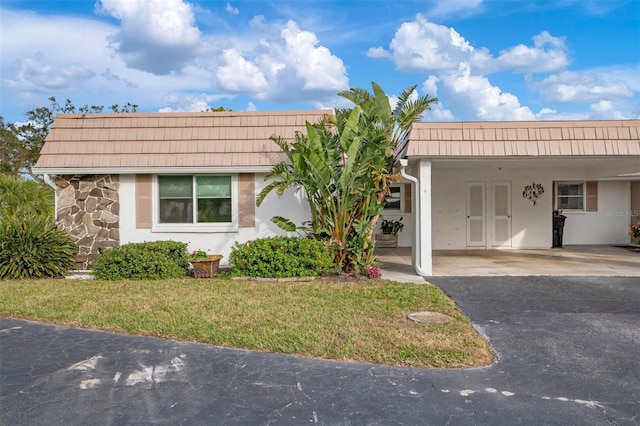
<point x="88" y="209"/>
<point x="609" y="225"/>
<point x="531" y="226"/>
<point x="290" y="205"/>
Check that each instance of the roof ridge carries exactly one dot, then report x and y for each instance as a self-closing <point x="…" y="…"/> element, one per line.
<point x="194" y="114"/>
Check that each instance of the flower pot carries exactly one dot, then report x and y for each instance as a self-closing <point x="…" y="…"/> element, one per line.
<point x="206" y="267"/>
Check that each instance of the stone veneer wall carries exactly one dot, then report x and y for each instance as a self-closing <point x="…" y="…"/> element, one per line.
<point x="89" y="210"/>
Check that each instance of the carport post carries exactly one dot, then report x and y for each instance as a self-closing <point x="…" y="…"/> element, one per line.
<point x="423" y="222"/>
<point x="421" y="241"/>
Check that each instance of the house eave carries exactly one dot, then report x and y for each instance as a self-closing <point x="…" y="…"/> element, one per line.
<point x="150" y="170"/>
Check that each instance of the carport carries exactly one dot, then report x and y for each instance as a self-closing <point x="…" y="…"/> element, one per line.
<point x="567" y="261"/>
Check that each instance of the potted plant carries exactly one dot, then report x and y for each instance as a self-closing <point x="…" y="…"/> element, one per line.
<point x="204" y="265"/>
<point x="390" y="226"/>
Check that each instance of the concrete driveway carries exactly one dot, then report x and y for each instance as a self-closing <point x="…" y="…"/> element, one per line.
<point x="568" y="261"/>
<point x="568" y="355"/>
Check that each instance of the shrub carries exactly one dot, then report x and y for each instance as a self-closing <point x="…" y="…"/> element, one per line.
<point x="31" y="246"/>
<point x="143" y="261"/>
<point x="281" y="257"/>
<point x="18" y="196"/>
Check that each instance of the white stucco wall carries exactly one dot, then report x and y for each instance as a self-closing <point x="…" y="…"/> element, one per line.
<point x="531" y="225"/>
<point x="609" y="225"/>
<point x="290" y="205"/>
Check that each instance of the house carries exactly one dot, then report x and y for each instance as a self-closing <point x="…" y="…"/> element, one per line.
<point x="193" y="177"/>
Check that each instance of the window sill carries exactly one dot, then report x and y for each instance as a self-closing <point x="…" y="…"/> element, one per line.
<point x="197" y="229"/>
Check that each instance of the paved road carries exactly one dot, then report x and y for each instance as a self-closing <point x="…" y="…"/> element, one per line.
<point x="569" y="355"/>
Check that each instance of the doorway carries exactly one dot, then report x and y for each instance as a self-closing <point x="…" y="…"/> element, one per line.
<point x="488" y="214"/>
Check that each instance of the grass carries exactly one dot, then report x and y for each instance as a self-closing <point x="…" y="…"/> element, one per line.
<point x="357" y="321"/>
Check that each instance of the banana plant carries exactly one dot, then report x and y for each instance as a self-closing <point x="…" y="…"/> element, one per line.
<point x="344" y="164"/>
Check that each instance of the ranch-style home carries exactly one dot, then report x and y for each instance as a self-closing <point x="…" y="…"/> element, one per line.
<point x="194" y="177"/>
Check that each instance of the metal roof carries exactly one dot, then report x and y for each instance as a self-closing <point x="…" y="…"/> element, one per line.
<point x="140" y="141"/>
<point x="525" y="139"/>
<point x="162" y="142"/>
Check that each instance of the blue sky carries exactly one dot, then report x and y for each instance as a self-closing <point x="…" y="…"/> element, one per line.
<point x="484" y="59"/>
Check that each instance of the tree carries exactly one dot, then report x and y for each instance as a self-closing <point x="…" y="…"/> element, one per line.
<point x="218" y="109"/>
<point x="390" y="130"/>
<point x="345" y="164"/>
<point x="21" y="144"/>
<point x="11" y="152"/>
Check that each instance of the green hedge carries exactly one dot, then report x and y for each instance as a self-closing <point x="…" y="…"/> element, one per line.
<point x="282" y="257"/>
<point x="32" y="246"/>
<point x="154" y="260"/>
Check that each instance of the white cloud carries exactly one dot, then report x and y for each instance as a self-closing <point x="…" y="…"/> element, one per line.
<point x="251" y="107"/>
<point x="421" y="45"/>
<point x="377" y="52"/>
<point x="462" y="70"/>
<point x="232" y="10"/>
<point x="474" y="97"/>
<point x="548" y="54"/>
<point x="240" y="75"/>
<point x="158" y="36"/>
<point x="297" y="67"/>
<point x="36" y="73"/>
<point x="605" y="110"/>
<point x="314" y="64"/>
<point x="457" y="8"/>
<point x="578" y="87"/>
<point x="430" y="86"/>
<point x="437" y="112"/>
<point x="544" y="113"/>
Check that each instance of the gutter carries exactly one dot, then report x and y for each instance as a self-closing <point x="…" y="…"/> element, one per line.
<point x="47" y="179"/>
<point x="417" y="243"/>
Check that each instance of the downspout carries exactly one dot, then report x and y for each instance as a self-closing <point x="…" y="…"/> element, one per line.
<point x="417" y="243"/>
<point x="47" y="179"/>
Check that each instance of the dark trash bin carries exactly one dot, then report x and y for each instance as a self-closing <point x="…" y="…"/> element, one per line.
<point x="558" y="228"/>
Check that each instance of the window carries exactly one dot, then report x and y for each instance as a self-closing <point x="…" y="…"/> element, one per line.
<point x="394" y="201"/>
<point x="195" y="199"/>
<point x="570" y="195"/>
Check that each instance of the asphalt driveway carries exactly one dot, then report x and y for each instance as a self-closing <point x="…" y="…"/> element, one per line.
<point x="568" y="351"/>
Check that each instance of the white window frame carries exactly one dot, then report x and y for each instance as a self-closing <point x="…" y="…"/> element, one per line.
<point x="195" y="227"/>
<point x="584" y="195"/>
<point x="401" y="209"/>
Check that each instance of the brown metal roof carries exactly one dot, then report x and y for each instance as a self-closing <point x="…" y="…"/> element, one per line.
<point x="155" y="141"/>
<point x="168" y="140"/>
<point x="525" y="139"/>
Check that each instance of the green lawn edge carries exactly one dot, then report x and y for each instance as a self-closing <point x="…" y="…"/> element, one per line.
<point x="363" y="321"/>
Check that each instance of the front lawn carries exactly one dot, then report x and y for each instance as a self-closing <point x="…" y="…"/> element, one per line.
<point x="357" y="321"/>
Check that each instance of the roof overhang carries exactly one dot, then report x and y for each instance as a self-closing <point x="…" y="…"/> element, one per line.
<point x="152" y="170"/>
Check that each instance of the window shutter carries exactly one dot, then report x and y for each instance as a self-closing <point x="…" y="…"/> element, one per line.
<point x="246" y="200"/>
<point x="144" y="216"/>
<point x="592" y="196"/>
<point x="407" y="198"/>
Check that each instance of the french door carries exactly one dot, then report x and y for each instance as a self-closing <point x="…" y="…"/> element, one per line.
<point x="488" y="214"/>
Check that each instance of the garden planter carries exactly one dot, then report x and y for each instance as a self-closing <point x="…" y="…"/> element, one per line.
<point x="206" y="267"/>
<point x="386" y="240"/>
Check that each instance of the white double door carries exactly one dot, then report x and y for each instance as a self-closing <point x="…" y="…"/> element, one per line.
<point x="488" y="214"/>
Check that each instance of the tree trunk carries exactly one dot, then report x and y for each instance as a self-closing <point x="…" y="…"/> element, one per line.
<point x="374" y="220"/>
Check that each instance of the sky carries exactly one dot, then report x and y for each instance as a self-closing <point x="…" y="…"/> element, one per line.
<point x="483" y="59"/>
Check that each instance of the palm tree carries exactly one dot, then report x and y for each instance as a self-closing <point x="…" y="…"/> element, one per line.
<point x="20" y="196"/>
